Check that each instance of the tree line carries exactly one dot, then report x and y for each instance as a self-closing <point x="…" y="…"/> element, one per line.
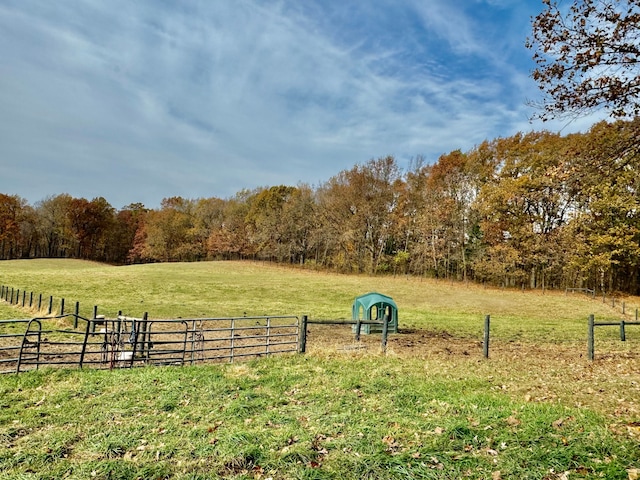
<point x="536" y="210"/>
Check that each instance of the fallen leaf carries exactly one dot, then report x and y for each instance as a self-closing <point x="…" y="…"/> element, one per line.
<point x="561" y="421"/>
<point x="513" y="421"/>
<point x="389" y="440"/>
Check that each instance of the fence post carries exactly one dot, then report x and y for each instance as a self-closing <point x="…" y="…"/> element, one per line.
<point x="31" y="300"/>
<point x="24" y="297"/>
<point x="268" y="339"/>
<point x="11" y="296"/>
<point x="84" y="343"/>
<point x="485" y="343"/>
<point x="135" y="326"/>
<point x="50" y="305"/>
<point x="358" y="329"/>
<point x="385" y="333"/>
<point x="590" y="339"/>
<point x="623" y="336"/>
<point x="95" y="315"/>
<point x="143" y="345"/>
<point x="232" y="342"/>
<point x="302" y="348"/>
<point x="62" y="306"/>
<point x="76" y="315"/>
<point x="40" y="302"/>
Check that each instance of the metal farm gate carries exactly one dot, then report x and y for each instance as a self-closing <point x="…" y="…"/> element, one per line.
<point x="126" y="342"/>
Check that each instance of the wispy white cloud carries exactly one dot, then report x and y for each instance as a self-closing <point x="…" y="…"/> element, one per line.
<point x="136" y="101"/>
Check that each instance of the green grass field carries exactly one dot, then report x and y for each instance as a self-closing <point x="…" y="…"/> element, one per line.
<point x="433" y="407"/>
<point x="219" y="289"/>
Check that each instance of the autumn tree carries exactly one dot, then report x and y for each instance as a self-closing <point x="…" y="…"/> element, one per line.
<point x="411" y="202"/>
<point x="90" y="223"/>
<point x="122" y="246"/>
<point x="29" y="236"/>
<point x="453" y="184"/>
<point x="11" y="214"/>
<point x="54" y="226"/>
<point x="524" y="210"/>
<point x="229" y="238"/>
<point x="268" y="230"/>
<point x="606" y="227"/>
<point x="280" y="221"/>
<point x="356" y="212"/>
<point x="299" y="217"/>
<point x="588" y="57"/>
<point x="169" y="232"/>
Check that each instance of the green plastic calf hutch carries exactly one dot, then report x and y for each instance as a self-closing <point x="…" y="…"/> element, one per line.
<point x="374" y="306"/>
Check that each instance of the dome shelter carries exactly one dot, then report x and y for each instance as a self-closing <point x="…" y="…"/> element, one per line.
<point x="374" y="306"/>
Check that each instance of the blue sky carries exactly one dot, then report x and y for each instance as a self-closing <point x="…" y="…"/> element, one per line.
<point x="136" y="101"/>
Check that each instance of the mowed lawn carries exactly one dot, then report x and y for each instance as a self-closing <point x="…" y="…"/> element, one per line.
<point x="432" y="407"/>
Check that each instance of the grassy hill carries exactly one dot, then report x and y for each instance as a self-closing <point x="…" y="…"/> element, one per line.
<point x="234" y="288"/>
<point x="431" y="408"/>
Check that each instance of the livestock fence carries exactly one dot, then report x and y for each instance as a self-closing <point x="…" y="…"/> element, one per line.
<point x="609" y="299"/>
<point x="356" y="326"/>
<point x="125" y="342"/>
<point x="74" y="341"/>
<point x="592" y="324"/>
<point x="43" y="304"/>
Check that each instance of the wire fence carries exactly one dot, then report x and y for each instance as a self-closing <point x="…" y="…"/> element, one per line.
<point x="126" y="342"/>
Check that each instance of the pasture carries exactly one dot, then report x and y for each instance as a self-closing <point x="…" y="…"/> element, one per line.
<point x="432" y="407"/>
